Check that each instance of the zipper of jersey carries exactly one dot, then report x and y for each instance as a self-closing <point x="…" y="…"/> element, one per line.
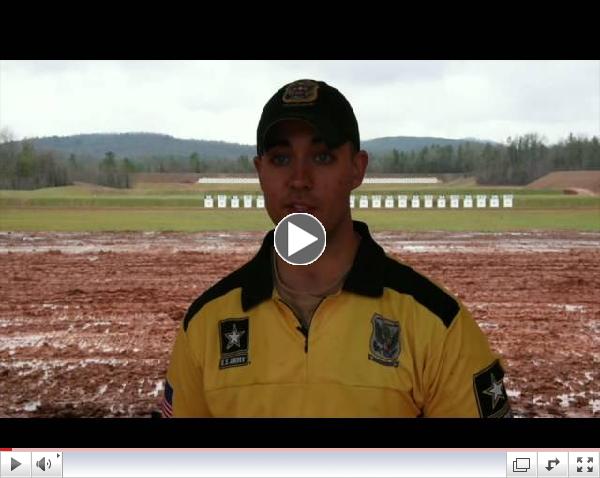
<point x="301" y="328"/>
<point x="311" y="321"/>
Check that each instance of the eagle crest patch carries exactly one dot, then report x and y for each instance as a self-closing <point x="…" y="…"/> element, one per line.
<point x="385" y="341"/>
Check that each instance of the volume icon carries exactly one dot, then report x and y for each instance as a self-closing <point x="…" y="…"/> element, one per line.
<point x="43" y="463"/>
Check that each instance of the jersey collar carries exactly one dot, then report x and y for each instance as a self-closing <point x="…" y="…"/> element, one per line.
<point x="365" y="276"/>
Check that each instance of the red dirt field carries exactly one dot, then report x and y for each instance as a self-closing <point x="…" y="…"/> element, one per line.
<point x="87" y="320"/>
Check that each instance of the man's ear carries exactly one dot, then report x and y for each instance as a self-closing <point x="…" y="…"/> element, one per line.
<point x="257" y="163"/>
<point x="360" y="161"/>
<point x="258" y="166"/>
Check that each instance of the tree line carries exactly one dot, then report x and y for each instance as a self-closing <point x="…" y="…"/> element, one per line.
<point x="517" y="162"/>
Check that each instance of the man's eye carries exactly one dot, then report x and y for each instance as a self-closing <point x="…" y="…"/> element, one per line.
<point x="280" y="160"/>
<point x="323" y="158"/>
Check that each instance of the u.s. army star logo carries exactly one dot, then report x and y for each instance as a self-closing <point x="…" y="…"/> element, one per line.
<point x="233" y="334"/>
<point x="233" y="337"/>
<point x="495" y="390"/>
<point x="492" y="400"/>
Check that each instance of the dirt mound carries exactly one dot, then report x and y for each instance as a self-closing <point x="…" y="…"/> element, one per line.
<point x="462" y="182"/>
<point x="574" y="181"/>
<point x="93" y="187"/>
<point x="579" y="192"/>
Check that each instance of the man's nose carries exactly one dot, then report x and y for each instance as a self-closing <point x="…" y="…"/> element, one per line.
<point x="301" y="174"/>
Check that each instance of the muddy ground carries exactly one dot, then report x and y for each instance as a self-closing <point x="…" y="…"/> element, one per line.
<point x="87" y="320"/>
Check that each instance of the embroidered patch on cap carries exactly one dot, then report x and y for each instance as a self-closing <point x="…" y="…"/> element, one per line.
<point x="492" y="399"/>
<point x="301" y="91"/>
<point x="234" y="335"/>
<point x="385" y="341"/>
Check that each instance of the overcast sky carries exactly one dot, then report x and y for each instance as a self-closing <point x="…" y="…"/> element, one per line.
<point x="222" y="100"/>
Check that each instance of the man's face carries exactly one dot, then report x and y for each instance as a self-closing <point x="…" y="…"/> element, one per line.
<point x="299" y="173"/>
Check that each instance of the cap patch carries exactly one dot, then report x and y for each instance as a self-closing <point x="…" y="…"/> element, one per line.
<point x="301" y="91"/>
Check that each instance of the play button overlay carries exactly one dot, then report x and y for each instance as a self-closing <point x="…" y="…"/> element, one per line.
<point x="300" y="239"/>
<point x="14" y="464"/>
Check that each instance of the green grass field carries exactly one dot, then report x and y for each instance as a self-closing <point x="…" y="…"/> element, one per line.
<point x="189" y="220"/>
<point x="178" y="207"/>
<point x="191" y="195"/>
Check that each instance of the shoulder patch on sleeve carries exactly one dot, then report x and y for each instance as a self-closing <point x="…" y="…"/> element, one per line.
<point x="167" y="401"/>
<point x="405" y="280"/>
<point x="488" y="385"/>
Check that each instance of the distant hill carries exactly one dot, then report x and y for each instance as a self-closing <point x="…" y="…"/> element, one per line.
<point x="140" y="145"/>
<point x="410" y="143"/>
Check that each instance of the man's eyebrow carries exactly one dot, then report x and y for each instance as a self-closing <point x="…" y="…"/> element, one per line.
<point x="277" y="142"/>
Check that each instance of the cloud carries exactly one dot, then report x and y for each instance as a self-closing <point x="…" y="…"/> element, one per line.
<point x="222" y="100"/>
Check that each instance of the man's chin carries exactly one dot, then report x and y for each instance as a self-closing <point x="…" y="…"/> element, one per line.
<point x="279" y="215"/>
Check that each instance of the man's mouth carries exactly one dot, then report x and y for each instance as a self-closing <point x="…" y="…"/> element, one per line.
<point x="300" y="207"/>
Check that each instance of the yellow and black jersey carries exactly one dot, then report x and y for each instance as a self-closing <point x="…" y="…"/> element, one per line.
<point x="390" y="343"/>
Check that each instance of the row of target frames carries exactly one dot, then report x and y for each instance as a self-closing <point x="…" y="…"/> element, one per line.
<point x="378" y="201"/>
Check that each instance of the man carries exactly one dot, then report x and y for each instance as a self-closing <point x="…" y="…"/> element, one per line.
<point x="353" y="334"/>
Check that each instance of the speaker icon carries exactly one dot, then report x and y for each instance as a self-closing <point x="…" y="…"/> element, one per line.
<point x="43" y="463"/>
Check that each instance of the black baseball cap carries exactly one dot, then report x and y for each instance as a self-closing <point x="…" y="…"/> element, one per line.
<point x="321" y="105"/>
